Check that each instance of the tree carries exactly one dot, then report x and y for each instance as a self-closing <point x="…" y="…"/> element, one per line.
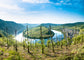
<point x="24" y="44"/>
<point x="61" y="42"/>
<point x="51" y="40"/>
<point x="57" y="41"/>
<point x="48" y="43"/>
<point x="28" y="41"/>
<point x="16" y="40"/>
<point x="7" y="38"/>
<point x="42" y="40"/>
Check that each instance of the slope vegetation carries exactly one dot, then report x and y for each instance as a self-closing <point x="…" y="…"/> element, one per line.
<point x="10" y="26"/>
<point x="35" y="33"/>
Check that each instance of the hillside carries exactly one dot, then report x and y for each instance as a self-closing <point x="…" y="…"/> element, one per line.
<point x="10" y="26"/>
<point x="30" y="25"/>
<point x="66" y="49"/>
<point x="74" y="50"/>
<point x="77" y="25"/>
<point x="35" y="33"/>
<point x="47" y="24"/>
<point x="2" y="33"/>
<point x="74" y="24"/>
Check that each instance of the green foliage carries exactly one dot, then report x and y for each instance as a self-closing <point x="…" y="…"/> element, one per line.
<point x="43" y="43"/>
<point x="28" y="43"/>
<point x="79" y="56"/>
<point x="1" y="49"/>
<point x="3" y="33"/>
<point x="47" y="25"/>
<point x="36" y="33"/>
<point x="58" y="43"/>
<point x="48" y="43"/>
<point x="81" y="31"/>
<point x="79" y="25"/>
<point x="64" y="57"/>
<point x="24" y="43"/>
<point x="14" y="56"/>
<point x="37" y="44"/>
<point x="11" y="26"/>
<point x="82" y="27"/>
<point x="11" y="40"/>
<point x="35" y="51"/>
<point x="2" y="42"/>
<point x="69" y="41"/>
<point x="64" y="42"/>
<point x="78" y="39"/>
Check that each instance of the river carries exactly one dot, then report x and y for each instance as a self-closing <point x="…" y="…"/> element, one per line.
<point x="57" y="36"/>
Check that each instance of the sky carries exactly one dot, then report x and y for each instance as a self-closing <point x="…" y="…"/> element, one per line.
<point x="42" y="11"/>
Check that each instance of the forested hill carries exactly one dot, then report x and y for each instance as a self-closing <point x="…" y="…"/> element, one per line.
<point x="74" y="24"/>
<point x="10" y="26"/>
<point x="30" y="26"/>
<point x="68" y="24"/>
<point x="47" y="24"/>
<point x="79" y="25"/>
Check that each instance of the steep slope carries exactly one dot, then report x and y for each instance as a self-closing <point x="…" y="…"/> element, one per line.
<point x="10" y="26"/>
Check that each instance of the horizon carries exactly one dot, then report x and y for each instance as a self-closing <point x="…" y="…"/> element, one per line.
<point x="42" y="11"/>
<point x="41" y="23"/>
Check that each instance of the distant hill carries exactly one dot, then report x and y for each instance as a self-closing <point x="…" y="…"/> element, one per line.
<point x="78" y="25"/>
<point x="30" y="25"/>
<point x="74" y="24"/>
<point x="47" y="25"/>
<point x="11" y="26"/>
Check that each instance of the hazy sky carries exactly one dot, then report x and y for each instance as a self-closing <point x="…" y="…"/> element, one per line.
<point x="42" y="11"/>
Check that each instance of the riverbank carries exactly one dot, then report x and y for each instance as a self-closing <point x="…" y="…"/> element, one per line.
<point x="35" y="33"/>
<point x="57" y="34"/>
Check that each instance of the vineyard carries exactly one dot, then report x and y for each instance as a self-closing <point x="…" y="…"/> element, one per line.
<point x="41" y="29"/>
<point x="70" y="48"/>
